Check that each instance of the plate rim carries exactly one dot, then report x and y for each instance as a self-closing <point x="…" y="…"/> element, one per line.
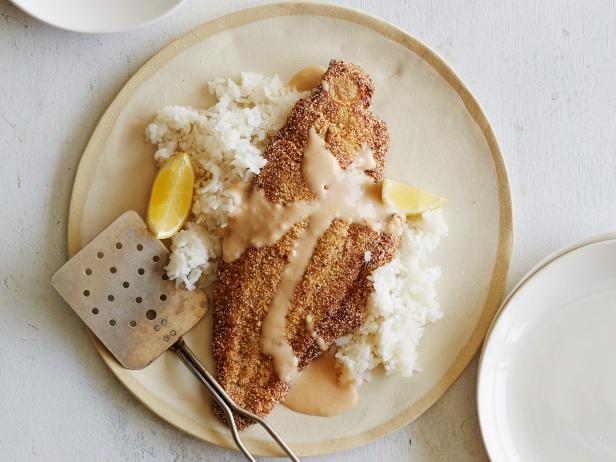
<point x="502" y="259"/>
<point x="112" y="30"/>
<point x="533" y="272"/>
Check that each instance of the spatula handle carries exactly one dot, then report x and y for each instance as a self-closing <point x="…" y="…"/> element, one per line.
<point x="224" y="400"/>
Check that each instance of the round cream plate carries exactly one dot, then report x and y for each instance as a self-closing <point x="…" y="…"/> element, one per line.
<point x="440" y="141"/>
<point x="97" y="16"/>
<point x="547" y="378"/>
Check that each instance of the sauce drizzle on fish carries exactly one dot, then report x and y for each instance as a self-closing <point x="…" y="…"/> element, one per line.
<point x="350" y="195"/>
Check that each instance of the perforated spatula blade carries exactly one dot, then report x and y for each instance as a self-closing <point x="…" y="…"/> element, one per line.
<point x="118" y="287"/>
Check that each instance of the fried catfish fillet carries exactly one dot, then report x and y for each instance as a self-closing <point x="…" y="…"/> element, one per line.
<point x="335" y="285"/>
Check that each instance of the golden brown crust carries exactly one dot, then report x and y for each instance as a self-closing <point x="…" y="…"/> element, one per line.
<point x="335" y="286"/>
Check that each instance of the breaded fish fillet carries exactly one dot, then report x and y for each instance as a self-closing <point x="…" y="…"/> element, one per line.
<point x="335" y="285"/>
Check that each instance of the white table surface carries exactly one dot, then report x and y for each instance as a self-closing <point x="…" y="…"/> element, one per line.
<point x="545" y="73"/>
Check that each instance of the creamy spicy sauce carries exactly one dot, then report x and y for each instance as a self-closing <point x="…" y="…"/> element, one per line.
<point x="313" y="333"/>
<point x="348" y="195"/>
<point x="259" y="223"/>
<point x="307" y="78"/>
<point x="317" y="391"/>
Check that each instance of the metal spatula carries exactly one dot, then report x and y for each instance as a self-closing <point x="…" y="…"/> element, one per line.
<point x="118" y="287"/>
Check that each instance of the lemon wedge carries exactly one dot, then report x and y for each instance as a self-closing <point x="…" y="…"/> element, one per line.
<point x="408" y="199"/>
<point x="171" y="196"/>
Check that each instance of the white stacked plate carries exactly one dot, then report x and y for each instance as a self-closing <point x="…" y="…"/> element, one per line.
<point x="547" y="379"/>
<point x="98" y="16"/>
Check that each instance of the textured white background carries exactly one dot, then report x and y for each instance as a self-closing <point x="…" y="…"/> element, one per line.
<point x="545" y="73"/>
